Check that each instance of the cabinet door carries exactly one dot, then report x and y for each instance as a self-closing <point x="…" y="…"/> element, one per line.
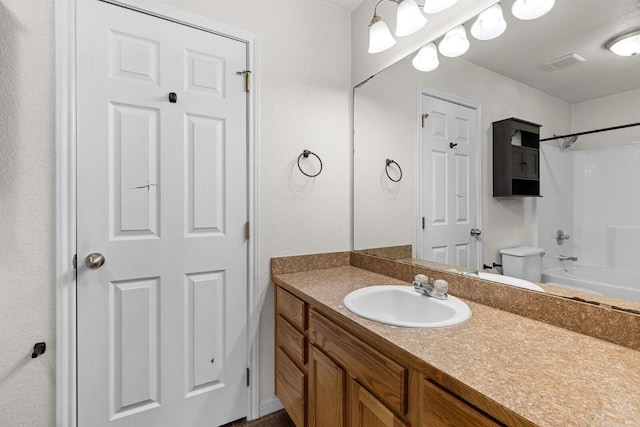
<point x="367" y="411"/>
<point x="531" y="164"/>
<point x="326" y="391"/>
<point x="518" y="169"/>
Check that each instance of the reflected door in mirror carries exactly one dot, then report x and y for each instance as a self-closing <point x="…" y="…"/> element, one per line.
<point x="449" y="183"/>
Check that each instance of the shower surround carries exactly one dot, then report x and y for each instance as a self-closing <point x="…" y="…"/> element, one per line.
<point x="594" y="196"/>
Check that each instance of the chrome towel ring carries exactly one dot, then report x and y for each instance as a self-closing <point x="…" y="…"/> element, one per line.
<point x="386" y="170"/>
<point x="306" y="154"/>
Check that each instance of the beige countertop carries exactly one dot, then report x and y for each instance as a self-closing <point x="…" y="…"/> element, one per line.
<point x="549" y="375"/>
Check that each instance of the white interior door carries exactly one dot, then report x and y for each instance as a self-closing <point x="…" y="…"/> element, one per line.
<point x="162" y="195"/>
<point x="449" y="188"/>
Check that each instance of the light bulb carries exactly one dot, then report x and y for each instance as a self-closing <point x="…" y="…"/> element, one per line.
<point x="435" y="6"/>
<point x="410" y="19"/>
<point x="380" y="37"/>
<point x="427" y="58"/>
<point x="454" y="43"/>
<point x="489" y="24"/>
<point x="531" y="9"/>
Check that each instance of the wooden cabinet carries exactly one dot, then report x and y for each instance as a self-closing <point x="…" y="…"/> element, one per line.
<point x="383" y="376"/>
<point x="367" y="411"/>
<point x="329" y="376"/>
<point x="291" y="355"/>
<point x="516" y="158"/>
<point x="326" y="391"/>
<point x="440" y="408"/>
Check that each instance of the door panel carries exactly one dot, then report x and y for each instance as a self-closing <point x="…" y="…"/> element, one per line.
<point x="162" y="193"/>
<point x="449" y="187"/>
<point x="134" y="331"/>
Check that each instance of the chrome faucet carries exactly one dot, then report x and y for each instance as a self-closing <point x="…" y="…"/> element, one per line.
<point x="431" y="288"/>
<point x="567" y="258"/>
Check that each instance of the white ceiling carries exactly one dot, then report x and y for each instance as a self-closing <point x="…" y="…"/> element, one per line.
<point x="348" y="5"/>
<point x="572" y="26"/>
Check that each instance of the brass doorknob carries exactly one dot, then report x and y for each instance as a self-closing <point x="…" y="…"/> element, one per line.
<point x="475" y="232"/>
<point x="94" y="260"/>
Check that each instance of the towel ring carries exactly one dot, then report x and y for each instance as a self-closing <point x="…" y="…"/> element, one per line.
<point x="386" y="170"/>
<point x="306" y="154"/>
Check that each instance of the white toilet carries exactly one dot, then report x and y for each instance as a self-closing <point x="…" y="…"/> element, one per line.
<point x="523" y="262"/>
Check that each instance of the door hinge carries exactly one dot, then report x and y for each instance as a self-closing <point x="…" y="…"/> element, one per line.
<point x="424" y="120"/>
<point x="247" y="79"/>
<point x="423" y="223"/>
<point x="248" y="377"/>
<point x="247" y="230"/>
<point x="75" y="261"/>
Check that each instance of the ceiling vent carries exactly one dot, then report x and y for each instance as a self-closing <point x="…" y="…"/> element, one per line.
<point x="565" y="61"/>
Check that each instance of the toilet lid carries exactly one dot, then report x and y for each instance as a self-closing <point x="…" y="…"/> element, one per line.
<point x="522" y="251"/>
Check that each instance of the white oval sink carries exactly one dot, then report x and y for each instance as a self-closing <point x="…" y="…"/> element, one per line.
<point x="513" y="281"/>
<point x="402" y="306"/>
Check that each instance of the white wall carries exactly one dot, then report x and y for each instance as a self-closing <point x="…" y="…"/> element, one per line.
<point x="304" y="79"/>
<point x="608" y="111"/>
<point x="385" y="126"/>
<point x="27" y="184"/>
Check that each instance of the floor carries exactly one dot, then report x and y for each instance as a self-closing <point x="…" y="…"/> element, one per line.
<point x="277" y="419"/>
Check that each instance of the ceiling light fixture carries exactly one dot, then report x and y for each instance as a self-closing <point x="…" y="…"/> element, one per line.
<point x="531" y="9"/>
<point x="409" y="18"/>
<point x="426" y="58"/>
<point x="625" y="44"/>
<point x="435" y="6"/>
<point x="455" y="42"/>
<point x="489" y="24"/>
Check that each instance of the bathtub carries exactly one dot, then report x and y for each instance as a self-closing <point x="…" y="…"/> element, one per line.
<point x="613" y="283"/>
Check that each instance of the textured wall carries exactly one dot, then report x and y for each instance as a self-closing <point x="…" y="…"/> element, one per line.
<point x="304" y="103"/>
<point x="27" y="305"/>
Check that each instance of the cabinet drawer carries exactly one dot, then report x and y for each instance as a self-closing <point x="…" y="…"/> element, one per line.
<point x="443" y="409"/>
<point x="292" y="341"/>
<point x="371" y="368"/>
<point x="291" y="308"/>
<point x="290" y="387"/>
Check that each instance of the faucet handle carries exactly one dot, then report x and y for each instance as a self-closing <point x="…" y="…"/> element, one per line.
<point x="421" y="278"/>
<point x="440" y="287"/>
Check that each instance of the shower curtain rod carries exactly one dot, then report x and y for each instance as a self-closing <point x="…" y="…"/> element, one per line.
<point x="590" y="131"/>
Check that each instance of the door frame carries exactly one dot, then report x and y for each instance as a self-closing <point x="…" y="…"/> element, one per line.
<point x="65" y="249"/>
<point x="444" y="96"/>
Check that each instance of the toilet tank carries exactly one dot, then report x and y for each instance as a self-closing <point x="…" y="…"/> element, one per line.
<point x="523" y="261"/>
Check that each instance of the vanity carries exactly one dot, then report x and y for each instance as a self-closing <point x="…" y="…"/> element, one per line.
<point x="335" y="368"/>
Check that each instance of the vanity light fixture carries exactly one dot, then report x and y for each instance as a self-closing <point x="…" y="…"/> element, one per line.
<point x="435" y="6"/>
<point x="489" y="24"/>
<point x="531" y="9"/>
<point x="625" y="44"/>
<point x="409" y="18"/>
<point x="380" y="37"/>
<point x="427" y="58"/>
<point x="454" y="43"/>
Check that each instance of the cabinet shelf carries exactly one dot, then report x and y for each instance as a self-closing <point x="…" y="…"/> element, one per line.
<point x="516" y="158"/>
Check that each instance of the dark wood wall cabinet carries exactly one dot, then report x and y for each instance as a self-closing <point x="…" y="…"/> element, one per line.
<point x="516" y="158"/>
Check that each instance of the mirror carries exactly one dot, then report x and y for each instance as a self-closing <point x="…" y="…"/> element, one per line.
<point x="590" y="186"/>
